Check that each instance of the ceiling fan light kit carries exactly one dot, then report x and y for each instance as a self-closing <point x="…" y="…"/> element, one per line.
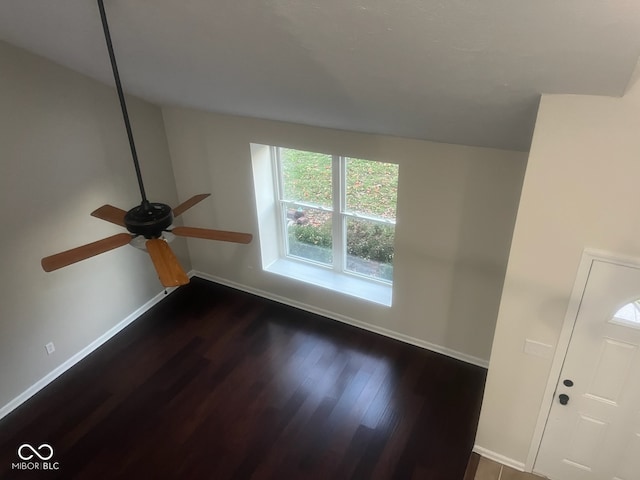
<point x="149" y="220"/>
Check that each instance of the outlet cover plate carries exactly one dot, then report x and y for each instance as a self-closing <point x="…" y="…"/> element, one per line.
<point x="538" y="349"/>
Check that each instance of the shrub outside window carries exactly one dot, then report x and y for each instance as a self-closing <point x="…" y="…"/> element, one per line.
<point x="337" y="212"/>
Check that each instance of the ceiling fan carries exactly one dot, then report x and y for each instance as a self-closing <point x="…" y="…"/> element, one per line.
<point x="149" y="219"/>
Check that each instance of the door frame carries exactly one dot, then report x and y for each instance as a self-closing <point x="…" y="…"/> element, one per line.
<point x="589" y="256"/>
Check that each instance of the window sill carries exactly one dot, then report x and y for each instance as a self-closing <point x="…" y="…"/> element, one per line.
<point x="375" y="292"/>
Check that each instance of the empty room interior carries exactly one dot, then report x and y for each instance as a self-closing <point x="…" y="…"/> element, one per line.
<point x="339" y="239"/>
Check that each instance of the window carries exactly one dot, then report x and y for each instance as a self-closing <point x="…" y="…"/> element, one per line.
<point x="337" y="211"/>
<point x="335" y="219"/>
<point x="628" y="315"/>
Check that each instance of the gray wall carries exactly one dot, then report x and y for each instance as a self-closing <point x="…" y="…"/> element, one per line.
<point x="580" y="191"/>
<point x="63" y="153"/>
<point x="456" y="209"/>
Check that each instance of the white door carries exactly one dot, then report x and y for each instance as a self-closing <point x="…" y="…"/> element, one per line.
<point x="593" y="429"/>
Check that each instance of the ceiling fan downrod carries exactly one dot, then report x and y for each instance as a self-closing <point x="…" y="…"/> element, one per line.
<point x="149" y="219"/>
<point x="123" y="105"/>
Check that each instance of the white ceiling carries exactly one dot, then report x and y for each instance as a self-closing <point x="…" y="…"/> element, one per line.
<point x="459" y="71"/>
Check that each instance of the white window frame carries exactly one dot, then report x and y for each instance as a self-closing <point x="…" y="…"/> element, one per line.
<point x="339" y="216"/>
<point x="272" y="253"/>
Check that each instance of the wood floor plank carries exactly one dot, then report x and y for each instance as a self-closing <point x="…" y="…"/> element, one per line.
<point x="217" y="383"/>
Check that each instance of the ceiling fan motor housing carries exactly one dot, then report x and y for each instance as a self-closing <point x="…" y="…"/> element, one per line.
<point x="149" y="219"/>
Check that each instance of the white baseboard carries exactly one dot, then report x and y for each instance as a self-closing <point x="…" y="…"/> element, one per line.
<point x="51" y="376"/>
<point x="496" y="457"/>
<point x="348" y="320"/>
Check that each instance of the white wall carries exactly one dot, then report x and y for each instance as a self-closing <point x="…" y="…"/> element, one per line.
<point x="63" y="153"/>
<point x="456" y="208"/>
<point x="581" y="189"/>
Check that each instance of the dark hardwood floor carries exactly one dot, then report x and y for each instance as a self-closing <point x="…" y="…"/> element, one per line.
<point x="214" y="383"/>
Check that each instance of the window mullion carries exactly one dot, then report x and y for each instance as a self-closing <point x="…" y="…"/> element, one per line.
<point x="279" y="189"/>
<point x="338" y="171"/>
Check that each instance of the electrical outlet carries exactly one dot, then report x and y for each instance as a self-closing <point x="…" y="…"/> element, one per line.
<point x="50" y="348"/>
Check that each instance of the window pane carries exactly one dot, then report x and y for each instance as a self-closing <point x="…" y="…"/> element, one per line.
<point x="370" y="248"/>
<point x="309" y="234"/>
<point x="628" y="315"/>
<point x="372" y="187"/>
<point x="306" y="177"/>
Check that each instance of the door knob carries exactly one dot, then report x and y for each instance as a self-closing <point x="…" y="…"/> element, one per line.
<point x="563" y="398"/>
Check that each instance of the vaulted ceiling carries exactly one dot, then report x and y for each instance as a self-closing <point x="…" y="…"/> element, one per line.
<point x="457" y="71"/>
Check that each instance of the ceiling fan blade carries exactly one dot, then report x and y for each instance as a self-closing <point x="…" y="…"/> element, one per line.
<point x="110" y="214"/>
<point x="169" y="270"/>
<point x="89" y="250"/>
<point x="186" y="205"/>
<point x="209" y="234"/>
